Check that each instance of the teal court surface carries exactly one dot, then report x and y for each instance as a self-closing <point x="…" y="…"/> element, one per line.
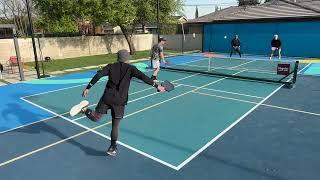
<point x="209" y="127"/>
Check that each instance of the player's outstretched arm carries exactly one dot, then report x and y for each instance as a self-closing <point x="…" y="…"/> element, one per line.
<point x="103" y="72"/>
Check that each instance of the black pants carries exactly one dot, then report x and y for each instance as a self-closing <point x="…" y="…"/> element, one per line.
<point x="237" y="49"/>
<point x="117" y="113"/>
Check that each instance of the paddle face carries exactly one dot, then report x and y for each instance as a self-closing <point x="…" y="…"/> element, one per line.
<point x="167" y="85"/>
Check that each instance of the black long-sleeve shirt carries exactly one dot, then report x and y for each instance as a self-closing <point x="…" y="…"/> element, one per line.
<point x="276" y="43"/>
<point x="235" y="42"/>
<point x="120" y="74"/>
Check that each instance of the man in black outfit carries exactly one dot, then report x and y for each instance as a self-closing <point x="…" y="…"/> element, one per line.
<point x="115" y="95"/>
<point x="275" y="45"/>
<point x="235" y="45"/>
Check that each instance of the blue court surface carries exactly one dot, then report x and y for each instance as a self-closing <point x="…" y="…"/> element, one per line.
<point x="313" y="69"/>
<point x="209" y="127"/>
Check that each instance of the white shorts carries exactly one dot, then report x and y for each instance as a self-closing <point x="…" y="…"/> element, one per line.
<point x="275" y="48"/>
<point x="155" y="64"/>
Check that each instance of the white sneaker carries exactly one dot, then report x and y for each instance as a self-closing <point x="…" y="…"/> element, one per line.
<point x="112" y="151"/>
<point x="77" y="108"/>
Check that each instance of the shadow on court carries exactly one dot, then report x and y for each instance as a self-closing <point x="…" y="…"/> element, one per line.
<point x="18" y="113"/>
<point x="52" y="130"/>
<point x="208" y="157"/>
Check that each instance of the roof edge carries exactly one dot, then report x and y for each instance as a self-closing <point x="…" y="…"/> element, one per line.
<point x="300" y="5"/>
<point x="305" y="18"/>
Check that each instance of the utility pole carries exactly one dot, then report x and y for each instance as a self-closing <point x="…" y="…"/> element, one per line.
<point x="32" y="37"/>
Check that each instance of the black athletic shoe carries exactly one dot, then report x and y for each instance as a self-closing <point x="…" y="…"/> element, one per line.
<point x="153" y="78"/>
<point x="112" y="151"/>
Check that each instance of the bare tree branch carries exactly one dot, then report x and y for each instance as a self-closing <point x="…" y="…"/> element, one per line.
<point x="15" y="11"/>
<point x="4" y="11"/>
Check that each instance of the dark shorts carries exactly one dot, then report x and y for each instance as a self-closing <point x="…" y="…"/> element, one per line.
<point x="116" y="111"/>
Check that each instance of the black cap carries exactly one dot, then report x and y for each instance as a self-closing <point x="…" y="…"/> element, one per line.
<point x="162" y="39"/>
<point x="123" y="55"/>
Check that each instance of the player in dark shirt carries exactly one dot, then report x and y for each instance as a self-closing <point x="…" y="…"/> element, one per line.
<point x="235" y="45"/>
<point x="115" y="95"/>
<point x="276" y="45"/>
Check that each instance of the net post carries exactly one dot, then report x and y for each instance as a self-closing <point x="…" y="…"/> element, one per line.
<point x="209" y="64"/>
<point x="295" y="74"/>
<point x="291" y="84"/>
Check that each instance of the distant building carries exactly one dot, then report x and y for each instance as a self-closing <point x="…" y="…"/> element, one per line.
<point x="296" y="21"/>
<point x="6" y="33"/>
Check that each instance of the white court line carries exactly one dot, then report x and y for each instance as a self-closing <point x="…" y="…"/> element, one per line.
<point x="231" y="68"/>
<point x="304" y="68"/>
<point x="42" y="148"/>
<point x="176" y="168"/>
<point x="223" y="97"/>
<point x="181" y="165"/>
<point x="250" y="58"/>
<point x="224" y="131"/>
<point x="123" y="144"/>
<point x="268" y="105"/>
<point x="250" y="61"/>
<point x="290" y="109"/>
<point x="217" y="90"/>
<point x="137" y="99"/>
<point x="46" y="92"/>
<point x="55" y="90"/>
<point x="2" y="132"/>
<point x="100" y="81"/>
<point x="312" y="75"/>
<point x="95" y="132"/>
<point x="197" y="88"/>
<point x="131" y="94"/>
<point x="89" y="105"/>
<point x="73" y="121"/>
<point x="261" y="71"/>
<point x="236" y="122"/>
<point x="61" y="113"/>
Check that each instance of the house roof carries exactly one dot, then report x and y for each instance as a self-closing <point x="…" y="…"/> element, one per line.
<point x="180" y="19"/>
<point x="276" y="9"/>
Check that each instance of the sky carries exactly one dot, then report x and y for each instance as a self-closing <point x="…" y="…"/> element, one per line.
<point x="205" y="6"/>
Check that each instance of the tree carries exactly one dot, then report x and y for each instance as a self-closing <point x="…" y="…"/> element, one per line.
<point x="123" y="13"/>
<point x="62" y="25"/>
<point x="14" y="12"/>
<point x="129" y="13"/>
<point x="248" y="2"/>
<point x="216" y="8"/>
<point x="146" y="12"/>
<point x="197" y="13"/>
<point x="60" y="15"/>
